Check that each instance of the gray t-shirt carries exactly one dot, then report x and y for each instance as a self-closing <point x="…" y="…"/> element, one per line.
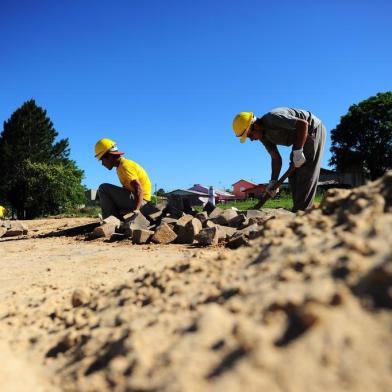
<point x="279" y="124"/>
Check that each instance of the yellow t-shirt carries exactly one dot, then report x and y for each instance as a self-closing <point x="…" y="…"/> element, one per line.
<point x="128" y="171"/>
<point x="2" y="212"/>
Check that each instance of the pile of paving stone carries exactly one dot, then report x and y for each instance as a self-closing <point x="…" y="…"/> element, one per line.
<point x="12" y="228"/>
<point x="162" y="224"/>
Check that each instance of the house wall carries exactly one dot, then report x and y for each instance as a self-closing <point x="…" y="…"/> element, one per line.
<point x="239" y="187"/>
<point x="256" y="191"/>
<point x="352" y="179"/>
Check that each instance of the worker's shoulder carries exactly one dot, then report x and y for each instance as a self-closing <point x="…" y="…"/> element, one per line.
<point x="128" y="162"/>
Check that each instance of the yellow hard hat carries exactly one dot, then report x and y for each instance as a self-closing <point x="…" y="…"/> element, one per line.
<point x="241" y="124"/>
<point x="102" y="146"/>
<point x="2" y="212"/>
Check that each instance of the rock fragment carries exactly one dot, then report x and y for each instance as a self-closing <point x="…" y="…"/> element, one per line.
<point x="141" y="236"/>
<point x="112" y="220"/>
<point x="208" y="236"/>
<point x="104" y="231"/>
<point x="164" y="234"/>
<point x="80" y="297"/>
<point x="187" y="234"/>
<point x="17" y="228"/>
<point x="225" y="217"/>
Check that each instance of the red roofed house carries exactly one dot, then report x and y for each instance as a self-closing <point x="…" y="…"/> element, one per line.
<point x="256" y="191"/>
<point x="239" y="188"/>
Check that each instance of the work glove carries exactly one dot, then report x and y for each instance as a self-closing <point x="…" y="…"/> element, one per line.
<point x="298" y="157"/>
<point x="272" y="192"/>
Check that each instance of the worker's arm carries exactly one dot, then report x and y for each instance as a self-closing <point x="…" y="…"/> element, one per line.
<point x="301" y="128"/>
<point x="276" y="159"/>
<point x="135" y="184"/>
<point x="298" y="156"/>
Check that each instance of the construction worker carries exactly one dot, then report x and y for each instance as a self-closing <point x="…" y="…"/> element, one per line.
<point x="2" y="212"/>
<point x="136" y="185"/>
<point x="288" y="127"/>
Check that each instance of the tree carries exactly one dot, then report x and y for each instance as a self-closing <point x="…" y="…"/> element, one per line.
<point x="363" y="138"/>
<point x="160" y="192"/>
<point x="48" y="188"/>
<point x="28" y="138"/>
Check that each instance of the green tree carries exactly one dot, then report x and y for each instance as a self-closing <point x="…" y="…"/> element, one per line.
<point x="49" y="188"/>
<point x="28" y="137"/>
<point x="363" y="138"/>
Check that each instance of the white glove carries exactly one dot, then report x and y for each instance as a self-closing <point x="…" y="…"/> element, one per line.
<point x="298" y="157"/>
<point x="269" y="190"/>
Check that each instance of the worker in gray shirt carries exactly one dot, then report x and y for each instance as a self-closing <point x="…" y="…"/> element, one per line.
<point x="288" y="127"/>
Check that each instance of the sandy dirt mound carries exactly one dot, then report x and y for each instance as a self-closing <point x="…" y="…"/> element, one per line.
<point x="306" y="308"/>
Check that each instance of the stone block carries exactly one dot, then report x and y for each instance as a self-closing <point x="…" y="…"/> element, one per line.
<point x="202" y="216"/>
<point x="186" y="234"/>
<point x="255" y="214"/>
<point x="216" y="212"/>
<point x="208" y="236"/>
<point x="153" y="212"/>
<point x="164" y="234"/>
<point x="237" y="241"/>
<point x="215" y="234"/>
<point x="248" y="229"/>
<point x="17" y="228"/>
<point x="103" y="231"/>
<point x="141" y="236"/>
<point x="238" y="221"/>
<point x="134" y="221"/>
<point x="181" y="222"/>
<point x="112" y="220"/>
<point x="170" y="221"/>
<point x="117" y="237"/>
<point x="225" y="232"/>
<point x="225" y="217"/>
<point x="209" y="223"/>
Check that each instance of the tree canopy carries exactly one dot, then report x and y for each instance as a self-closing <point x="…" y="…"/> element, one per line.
<point x="37" y="177"/>
<point x="363" y="138"/>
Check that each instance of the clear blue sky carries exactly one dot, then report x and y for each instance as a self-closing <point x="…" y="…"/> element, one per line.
<point x="165" y="78"/>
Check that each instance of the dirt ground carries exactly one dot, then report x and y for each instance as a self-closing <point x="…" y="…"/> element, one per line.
<point x="306" y="308"/>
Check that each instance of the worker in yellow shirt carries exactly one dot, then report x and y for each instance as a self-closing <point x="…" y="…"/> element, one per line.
<point x="2" y="212"/>
<point x="136" y="185"/>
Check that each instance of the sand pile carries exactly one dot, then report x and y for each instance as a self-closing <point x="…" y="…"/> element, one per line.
<point x="306" y="307"/>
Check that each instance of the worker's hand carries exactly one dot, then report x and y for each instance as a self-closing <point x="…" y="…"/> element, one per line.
<point x="272" y="192"/>
<point x="298" y="157"/>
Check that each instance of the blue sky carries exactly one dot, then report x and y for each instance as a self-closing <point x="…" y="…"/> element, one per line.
<point x="165" y="78"/>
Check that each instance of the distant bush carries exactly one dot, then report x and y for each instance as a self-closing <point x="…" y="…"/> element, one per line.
<point x="50" y="188"/>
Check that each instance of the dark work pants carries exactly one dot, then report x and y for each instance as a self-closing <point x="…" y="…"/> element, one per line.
<point x="303" y="183"/>
<point x="115" y="199"/>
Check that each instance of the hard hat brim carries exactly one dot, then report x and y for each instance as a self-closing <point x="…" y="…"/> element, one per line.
<point x="99" y="156"/>
<point x="244" y="136"/>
